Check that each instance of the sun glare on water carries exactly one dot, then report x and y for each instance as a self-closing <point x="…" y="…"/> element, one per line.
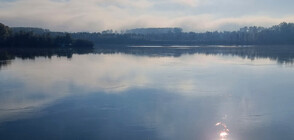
<point x="224" y="133"/>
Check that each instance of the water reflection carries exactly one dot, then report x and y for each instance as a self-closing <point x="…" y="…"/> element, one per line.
<point x="126" y="96"/>
<point x="281" y="54"/>
<point x="224" y="131"/>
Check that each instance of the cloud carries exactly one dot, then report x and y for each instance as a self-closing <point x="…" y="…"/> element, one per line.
<point x="210" y="23"/>
<point x="192" y="3"/>
<point x="98" y="15"/>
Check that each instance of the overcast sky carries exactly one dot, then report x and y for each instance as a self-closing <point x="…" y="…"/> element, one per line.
<point x="98" y="15"/>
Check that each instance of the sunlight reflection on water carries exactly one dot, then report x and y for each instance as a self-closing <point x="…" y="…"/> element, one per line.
<point x="224" y="132"/>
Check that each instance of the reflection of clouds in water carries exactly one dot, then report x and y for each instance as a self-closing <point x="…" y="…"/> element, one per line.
<point x="115" y="73"/>
<point x="43" y="81"/>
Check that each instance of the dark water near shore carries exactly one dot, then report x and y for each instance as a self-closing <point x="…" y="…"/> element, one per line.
<point x="159" y="93"/>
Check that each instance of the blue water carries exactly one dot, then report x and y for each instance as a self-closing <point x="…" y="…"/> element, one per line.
<point x="110" y="96"/>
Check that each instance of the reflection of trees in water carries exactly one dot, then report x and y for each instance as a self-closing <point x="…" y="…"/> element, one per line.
<point x="9" y="54"/>
<point x="4" y="63"/>
<point x="281" y="54"/>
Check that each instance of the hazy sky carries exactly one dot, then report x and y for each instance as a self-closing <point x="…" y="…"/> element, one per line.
<point x="98" y="15"/>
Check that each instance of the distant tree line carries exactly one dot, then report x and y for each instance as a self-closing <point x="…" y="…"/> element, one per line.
<point x="29" y="39"/>
<point x="275" y="35"/>
<point x="282" y="34"/>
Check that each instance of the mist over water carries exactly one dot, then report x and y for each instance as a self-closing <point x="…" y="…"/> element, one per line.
<point x="212" y="94"/>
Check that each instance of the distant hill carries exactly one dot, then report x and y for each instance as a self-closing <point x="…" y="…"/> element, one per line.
<point x="154" y="30"/>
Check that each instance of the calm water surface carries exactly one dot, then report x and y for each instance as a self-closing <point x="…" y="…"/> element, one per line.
<point x="111" y="96"/>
